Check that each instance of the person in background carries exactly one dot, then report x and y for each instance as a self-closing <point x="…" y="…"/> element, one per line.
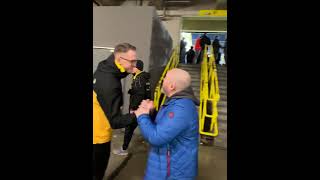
<point x="197" y="49"/>
<point x="205" y="40"/>
<point x="140" y="90"/>
<point x="216" y="49"/>
<point x="225" y="52"/>
<point x="182" y="50"/>
<point x="190" y="55"/>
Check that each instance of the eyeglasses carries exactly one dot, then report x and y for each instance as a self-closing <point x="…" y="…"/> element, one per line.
<point x="132" y="62"/>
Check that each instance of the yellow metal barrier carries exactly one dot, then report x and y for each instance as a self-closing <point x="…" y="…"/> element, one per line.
<point x="209" y="93"/>
<point x="159" y="97"/>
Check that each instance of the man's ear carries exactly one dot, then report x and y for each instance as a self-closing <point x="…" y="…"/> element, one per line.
<point x="173" y="86"/>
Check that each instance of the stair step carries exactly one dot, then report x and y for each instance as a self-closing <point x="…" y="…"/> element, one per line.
<point x="195" y="77"/>
<point x="222" y="104"/>
<point x="222" y="117"/>
<point x="223" y="93"/>
<point x="195" y="84"/>
<point x="222" y="87"/>
<point x="223" y="110"/>
<point x="195" y="80"/>
<point x="222" y="78"/>
<point x="192" y="70"/>
<point x="222" y="70"/>
<point x="189" y="65"/>
<point x="223" y="97"/>
<point x="222" y="74"/>
<point x="222" y="124"/>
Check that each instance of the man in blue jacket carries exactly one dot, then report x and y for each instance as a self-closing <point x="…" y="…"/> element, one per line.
<point x="173" y="135"/>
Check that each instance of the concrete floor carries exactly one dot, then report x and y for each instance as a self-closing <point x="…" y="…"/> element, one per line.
<point x="212" y="162"/>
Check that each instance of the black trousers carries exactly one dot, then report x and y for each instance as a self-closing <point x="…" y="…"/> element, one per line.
<point x="128" y="135"/>
<point x="101" y="154"/>
<point x="217" y="55"/>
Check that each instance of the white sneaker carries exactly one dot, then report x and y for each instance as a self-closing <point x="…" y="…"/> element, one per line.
<point x="120" y="152"/>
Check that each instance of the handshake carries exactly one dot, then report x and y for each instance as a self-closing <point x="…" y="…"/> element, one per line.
<point x="145" y="107"/>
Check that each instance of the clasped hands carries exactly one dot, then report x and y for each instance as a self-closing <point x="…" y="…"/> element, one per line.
<point x="144" y="108"/>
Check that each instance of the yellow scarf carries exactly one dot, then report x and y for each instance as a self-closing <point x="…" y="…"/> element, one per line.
<point x="134" y="77"/>
<point x="120" y="67"/>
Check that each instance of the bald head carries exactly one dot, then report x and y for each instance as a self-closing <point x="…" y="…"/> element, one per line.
<point x="176" y="80"/>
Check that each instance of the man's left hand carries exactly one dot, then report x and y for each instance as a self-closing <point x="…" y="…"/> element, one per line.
<point x="141" y="110"/>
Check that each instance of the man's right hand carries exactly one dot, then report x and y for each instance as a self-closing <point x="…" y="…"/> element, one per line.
<point x="148" y="104"/>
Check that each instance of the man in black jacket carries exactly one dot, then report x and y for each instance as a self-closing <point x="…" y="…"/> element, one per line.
<point x="140" y="90"/>
<point x="216" y="49"/>
<point x="204" y="40"/>
<point x="107" y="85"/>
<point x="190" y="55"/>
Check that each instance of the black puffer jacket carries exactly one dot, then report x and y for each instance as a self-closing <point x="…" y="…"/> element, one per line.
<point x="107" y="85"/>
<point x="205" y="40"/>
<point x="140" y="90"/>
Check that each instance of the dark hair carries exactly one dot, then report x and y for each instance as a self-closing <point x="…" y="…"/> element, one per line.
<point x="191" y="47"/>
<point x="139" y="65"/>
<point x="124" y="47"/>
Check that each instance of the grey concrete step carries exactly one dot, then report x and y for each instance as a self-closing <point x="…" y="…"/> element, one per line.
<point x="222" y="75"/>
<point x="222" y="125"/>
<point x="196" y="88"/>
<point x="222" y="117"/>
<point x="224" y="83"/>
<point x="223" y="110"/>
<point x="222" y="104"/>
<point x="192" y="70"/>
<point x="222" y="87"/>
<point x="193" y="80"/>
<point x="195" y="74"/>
<point x="222" y="70"/>
<point x="195" y="84"/>
<point x="223" y="93"/>
<point x="189" y="65"/>
<point x="223" y="97"/>
<point x="221" y="78"/>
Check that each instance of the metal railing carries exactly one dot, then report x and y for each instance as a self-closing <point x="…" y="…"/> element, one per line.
<point x="159" y="97"/>
<point x="209" y="94"/>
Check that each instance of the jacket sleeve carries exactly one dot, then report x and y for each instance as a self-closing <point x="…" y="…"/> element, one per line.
<point x="168" y="128"/>
<point x="111" y="101"/>
<point x="147" y="90"/>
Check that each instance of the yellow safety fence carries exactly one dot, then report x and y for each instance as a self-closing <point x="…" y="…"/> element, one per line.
<point x="209" y="94"/>
<point x="159" y="97"/>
